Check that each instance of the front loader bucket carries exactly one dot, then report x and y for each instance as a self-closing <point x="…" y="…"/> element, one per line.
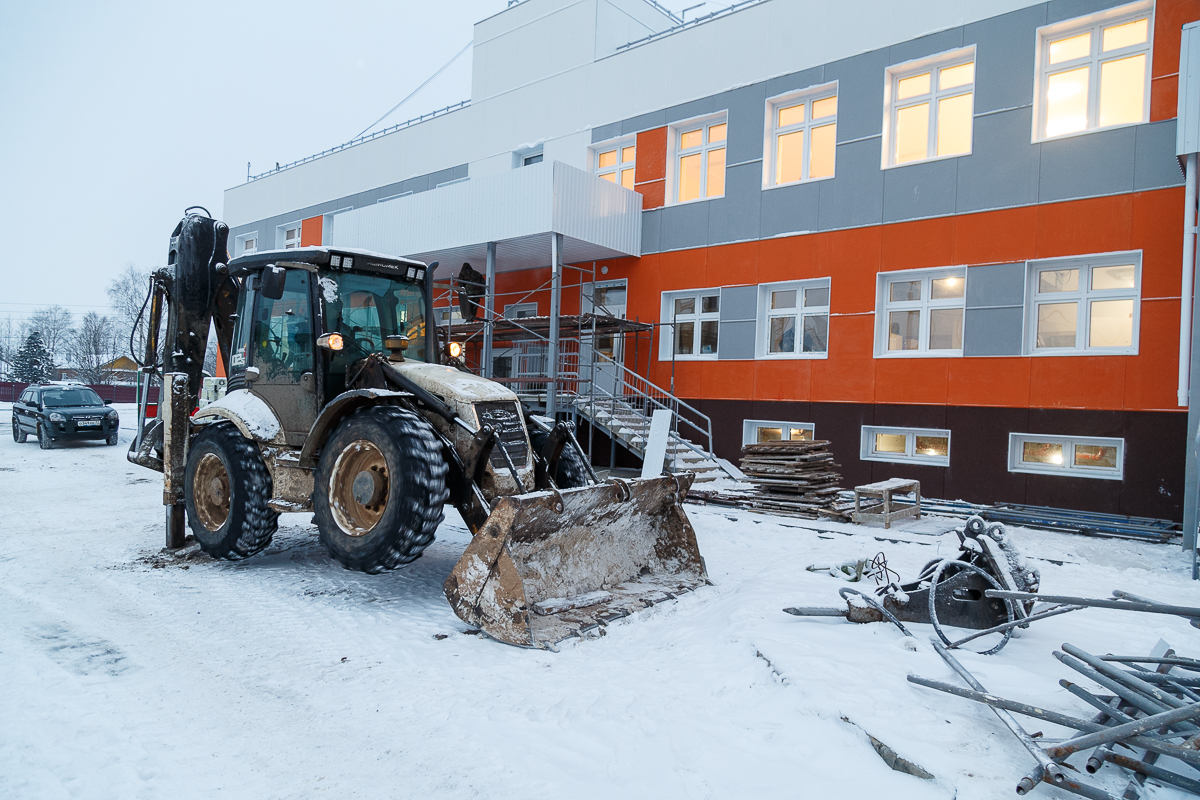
<point x="546" y="566"/>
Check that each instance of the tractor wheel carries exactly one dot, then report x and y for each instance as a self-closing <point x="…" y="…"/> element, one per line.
<point x="572" y="471"/>
<point x="226" y="488"/>
<point x="19" y="436"/>
<point x="379" y="489"/>
<point x="44" y="440"/>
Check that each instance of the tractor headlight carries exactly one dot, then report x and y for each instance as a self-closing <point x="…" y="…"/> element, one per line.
<point x="454" y="349"/>
<point x="331" y="341"/>
<point x="57" y="417"/>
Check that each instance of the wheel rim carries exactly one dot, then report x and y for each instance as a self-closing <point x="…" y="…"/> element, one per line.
<point x="210" y="492"/>
<point x="358" y="488"/>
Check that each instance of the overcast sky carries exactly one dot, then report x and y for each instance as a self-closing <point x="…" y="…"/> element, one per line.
<point x="115" y="116"/>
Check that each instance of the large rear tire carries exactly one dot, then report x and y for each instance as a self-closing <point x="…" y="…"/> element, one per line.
<point x="379" y="489"/>
<point x="572" y="471"/>
<point x="227" y="488"/>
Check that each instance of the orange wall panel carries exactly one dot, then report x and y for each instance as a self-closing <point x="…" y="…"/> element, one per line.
<point x="651" y="168"/>
<point x="1077" y="382"/>
<point x="848" y="374"/>
<point x="911" y="380"/>
<point x="988" y="382"/>
<point x="1151" y="377"/>
<point x="789" y="379"/>
<point x="1158" y="233"/>
<point x="311" y="231"/>
<point x="995" y="236"/>
<point x="1169" y="17"/>
<point x="1164" y="98"/>
<point x="912" y="245"/>
<point x="728" y="380"/>
<point x="1075" y="227"/>
<point x="732" y="265"/>
<point x="792" y="258"/>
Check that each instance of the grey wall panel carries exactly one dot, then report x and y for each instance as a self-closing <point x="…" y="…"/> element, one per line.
<point x="1005" y="58"/>
<point x="651" y="231"/>
<point x="736" y="340"/>
<point x="929" y="45"/>
<point x="1069" y="9"/>
<point x="735" y="217"/>
<point x="920" y="190"/>
<point x="1003" y="168"/>
<point x="694" y="108"/>
<point x="451" y="174"/>
<point x="1155" y="165"/>
<point x="685" y="225"/>
<point x="860" y="94"/>
<point x="996" y="285"/>
<point x="992" y="331"/>
<point x="855" y="196"/>
<point x="789" y="209"/>
<point x="795" y="81"/>
<point x="602" y="133"/>
<point x="747" y="112"/>
<point x="1087" y="165"/>
<point x="739" y="303"/>
<point x="644" y="122"/>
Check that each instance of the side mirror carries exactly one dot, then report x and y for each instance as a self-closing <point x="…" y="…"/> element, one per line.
<point x="273" y="278"/>
<point x="252" y="374"/>
<point x="108" y="402"/>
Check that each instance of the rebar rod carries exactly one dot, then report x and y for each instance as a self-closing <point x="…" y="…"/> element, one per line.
<point x="1186" y="663"/>
<point x="1124" y="731"/>
<point x="1125" y="605"/>
<point x="1134" y="698"/>
<point x="1054" y="612"/>
<point x="1130" y="680"/>
<point x="1152" y="771"/>
<point x="1082" y="789"/>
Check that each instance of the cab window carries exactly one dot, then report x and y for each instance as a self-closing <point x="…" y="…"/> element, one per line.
<point x="281" y="338"/>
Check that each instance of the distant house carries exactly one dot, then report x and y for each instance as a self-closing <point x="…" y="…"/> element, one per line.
<point x="121" y="370"/>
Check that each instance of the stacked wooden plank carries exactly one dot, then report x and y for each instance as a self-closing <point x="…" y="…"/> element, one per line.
<point x="794" y="478"/>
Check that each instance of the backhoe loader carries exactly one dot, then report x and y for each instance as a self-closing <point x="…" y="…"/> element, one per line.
<point x="341" y="400"/>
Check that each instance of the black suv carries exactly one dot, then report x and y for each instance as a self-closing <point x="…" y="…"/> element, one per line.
<point x="55" y="413"/>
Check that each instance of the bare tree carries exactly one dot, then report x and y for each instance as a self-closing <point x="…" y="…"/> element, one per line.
<point x="92" y="347"/>
<point x="127" y="296"/>
<point x="54" y="323"/>
<point x="10" y="342"/>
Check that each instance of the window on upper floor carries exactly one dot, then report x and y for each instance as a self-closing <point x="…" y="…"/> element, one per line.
<point x="695" y="319"/>
<point x="911" y="445"/>
<point x="1084" y="305"/>
<point x="920" y="312"/>
<point x="699" y="159"/>
<point x="615" y="161"/>
<point x="795" y="319"/>
<point x="520" y="310"/>
<point x="930" y="108"/>
<point x="756" y="431"/>
<point x="287" y="236"/>
<point x="1084" y="457"/>
<point x="245" y="244"/>
<point x="803" y="134"/>
<point x="1094" y="72"/>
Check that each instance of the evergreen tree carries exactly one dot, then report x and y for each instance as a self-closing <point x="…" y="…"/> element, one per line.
<point x="32" y="363"/>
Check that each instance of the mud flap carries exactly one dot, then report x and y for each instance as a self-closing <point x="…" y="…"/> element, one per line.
<point x="550" y="565"/>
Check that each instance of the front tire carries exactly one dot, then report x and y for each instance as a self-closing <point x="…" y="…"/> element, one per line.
<point x="572" y="471"/>
<point x="379" y="489"/>
<point x="44" y="440"/>
<point x="112" y="440"/>
<point x="226" y="489"/>
<point x="19" y="436"/>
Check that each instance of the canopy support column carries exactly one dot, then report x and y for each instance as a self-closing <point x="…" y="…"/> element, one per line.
<point x="489" y="308"/>
<point x="556" y="243"/>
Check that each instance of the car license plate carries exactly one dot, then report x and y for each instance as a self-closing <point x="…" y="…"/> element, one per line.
<point x="88" y="423"/>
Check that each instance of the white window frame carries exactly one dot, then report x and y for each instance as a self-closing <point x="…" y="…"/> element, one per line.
<point x="771" y="142"/>
<point x="512" y="309"/>
<point x="616" y="170"/>
<point x="676" y="152"/>
<point x="1080" y="25"/>
<point x="910" y="456"/>
<point x="762" y="337"/>
<point x="281" y="231"/>
<point x="666" y="351"/>
<point x="1084" y="296"/>
<point x="239" y="244"/>
<point x="1016" y="446"/>
<point x="926" y="304"/>
<point x="750" y="429"/>
<point x="892" y="105"/>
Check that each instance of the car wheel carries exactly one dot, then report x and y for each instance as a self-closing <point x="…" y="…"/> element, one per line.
<point x="44" y="440"/>
<point x="112" y="440"/>
<point x="19" y="435"/>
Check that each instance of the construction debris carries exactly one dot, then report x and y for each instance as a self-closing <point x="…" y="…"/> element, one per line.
<point x="1156" y="717"/>
<point x="796" y="479"/>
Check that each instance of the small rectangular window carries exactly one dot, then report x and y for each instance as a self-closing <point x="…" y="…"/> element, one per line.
<point x="616" y="162"/>
<point x="1084" y="305"/>
<point x="1085" y="457"/>
<point x="699" y="160"/>
<point x="803" y="136"/>
<point x="1094" y="72"/>
<point x="695" y="319"/>
<point x="921" y="313"/>
<point x="906" y="445"/>
<point x="287" y="237"/>
<point x="794" y="322"/>
<point x="931" y="108"/>
<point x="758" y="431"/>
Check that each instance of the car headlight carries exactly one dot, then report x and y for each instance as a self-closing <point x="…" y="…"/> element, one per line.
<point x="56" y="417"/>
<point x="113" y="415"/>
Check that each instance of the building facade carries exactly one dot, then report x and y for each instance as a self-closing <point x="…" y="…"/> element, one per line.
<point x="944" y="236"/>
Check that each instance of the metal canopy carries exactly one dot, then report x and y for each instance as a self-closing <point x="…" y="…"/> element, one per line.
<point x="538" y="328"/>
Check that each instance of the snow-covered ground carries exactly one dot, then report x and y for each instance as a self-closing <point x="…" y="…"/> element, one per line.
<point x="127" y="674"/>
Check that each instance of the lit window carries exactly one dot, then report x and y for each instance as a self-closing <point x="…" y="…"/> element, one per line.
<point x="1087" y="457"/>
<point x="906" y="445"/>
<point x="921" y="313"/>
<point x="795" y="321"/>
<point x="1084" y="305"/>
<point x="803" y="136"/>
<point x="699" y="160"/>
<point x="756" y="431"/>
<point x="695" y="319"/>
<point x="616" y="162"/>
<point x="1094" y="73"/>
<point x="930" y="109"/>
